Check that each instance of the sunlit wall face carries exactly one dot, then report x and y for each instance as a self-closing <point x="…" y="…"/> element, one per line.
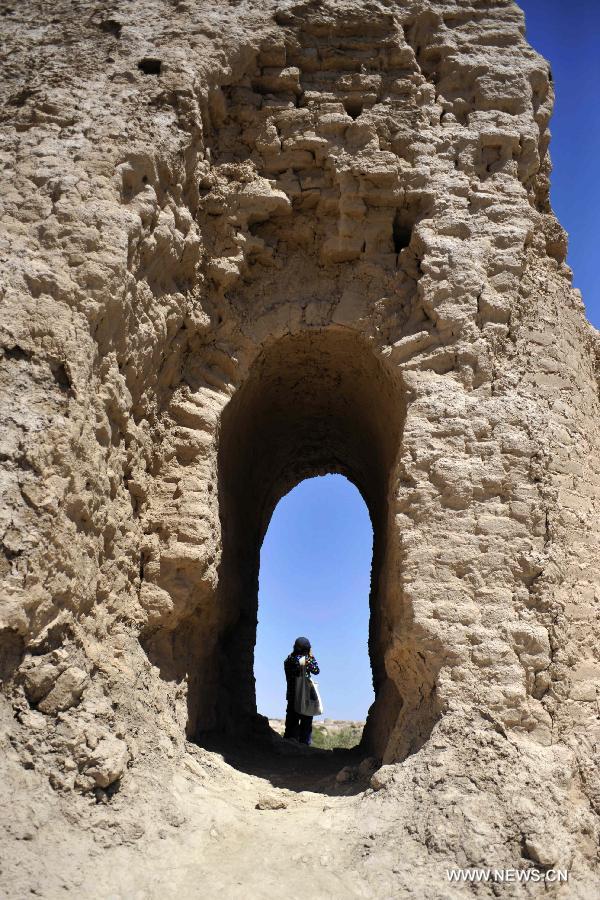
<point x="315" y="572"/>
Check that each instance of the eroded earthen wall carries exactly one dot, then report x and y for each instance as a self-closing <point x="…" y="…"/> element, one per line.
<point x="203" y="206"/>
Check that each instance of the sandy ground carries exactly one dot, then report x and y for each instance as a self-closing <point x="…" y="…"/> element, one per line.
<point x="242" y="820"/>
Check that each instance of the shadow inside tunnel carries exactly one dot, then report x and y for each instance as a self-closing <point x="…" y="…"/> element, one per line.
<point x="287" y="764"/>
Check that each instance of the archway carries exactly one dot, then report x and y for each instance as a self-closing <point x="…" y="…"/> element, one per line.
<point x="315" y="571"/>
<point x="314" y="403"/>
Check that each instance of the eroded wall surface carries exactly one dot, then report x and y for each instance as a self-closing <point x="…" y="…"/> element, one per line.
<point x="185" y="187"/>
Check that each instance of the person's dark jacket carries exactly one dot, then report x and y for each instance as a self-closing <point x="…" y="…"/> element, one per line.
<point x="293" y="668"/>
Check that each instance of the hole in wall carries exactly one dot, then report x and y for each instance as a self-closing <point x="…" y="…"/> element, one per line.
<point x="17" y="353"/>
<point x="61" y="376"/>
<point x="150" y="66"/>
<point x="11" y="653"/>
<point x="353" y="106"/>
<point x="415" y="208"/>
<point x="402" y="230"/>
<point x="111" y="26"/>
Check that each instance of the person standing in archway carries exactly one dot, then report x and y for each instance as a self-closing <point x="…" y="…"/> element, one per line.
<point x="299" y="662"/>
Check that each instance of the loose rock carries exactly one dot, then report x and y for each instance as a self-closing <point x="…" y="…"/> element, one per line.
<point x="270" y="801"/>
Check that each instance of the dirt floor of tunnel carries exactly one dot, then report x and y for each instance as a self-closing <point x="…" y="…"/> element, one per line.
<point x="274" y="831"/>
<point x="291" y="766"/>
<point x="191" y="823"/>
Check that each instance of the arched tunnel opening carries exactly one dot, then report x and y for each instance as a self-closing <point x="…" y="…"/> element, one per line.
<point x="314" y="580"/>
<point x="314" y="403"/>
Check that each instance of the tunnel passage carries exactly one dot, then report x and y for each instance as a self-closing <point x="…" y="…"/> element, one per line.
<point x="315" y="403"/>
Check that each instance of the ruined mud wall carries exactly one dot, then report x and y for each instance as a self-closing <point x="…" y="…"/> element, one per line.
<point x="206" y="203"/>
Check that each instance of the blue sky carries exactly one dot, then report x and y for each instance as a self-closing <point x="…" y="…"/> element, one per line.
<point x="316" y="557"/>
<point x="567" y="33"/>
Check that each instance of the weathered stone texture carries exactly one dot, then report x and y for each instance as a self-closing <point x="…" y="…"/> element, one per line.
<point x="247" y="243"/>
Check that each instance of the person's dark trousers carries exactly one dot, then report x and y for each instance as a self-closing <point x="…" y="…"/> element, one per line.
<point x="297" y="726"/>
<point x="305" y="729"/>
<point x="292" y="722"/>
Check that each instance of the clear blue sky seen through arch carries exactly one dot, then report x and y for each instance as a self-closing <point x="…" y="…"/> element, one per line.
<point x="315" y="575"/>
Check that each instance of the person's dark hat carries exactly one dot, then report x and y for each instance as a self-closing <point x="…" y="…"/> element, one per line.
<point x="301" y="645"/>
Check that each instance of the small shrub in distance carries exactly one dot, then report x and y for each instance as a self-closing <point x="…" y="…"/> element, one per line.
<point x="345" y="738"/>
